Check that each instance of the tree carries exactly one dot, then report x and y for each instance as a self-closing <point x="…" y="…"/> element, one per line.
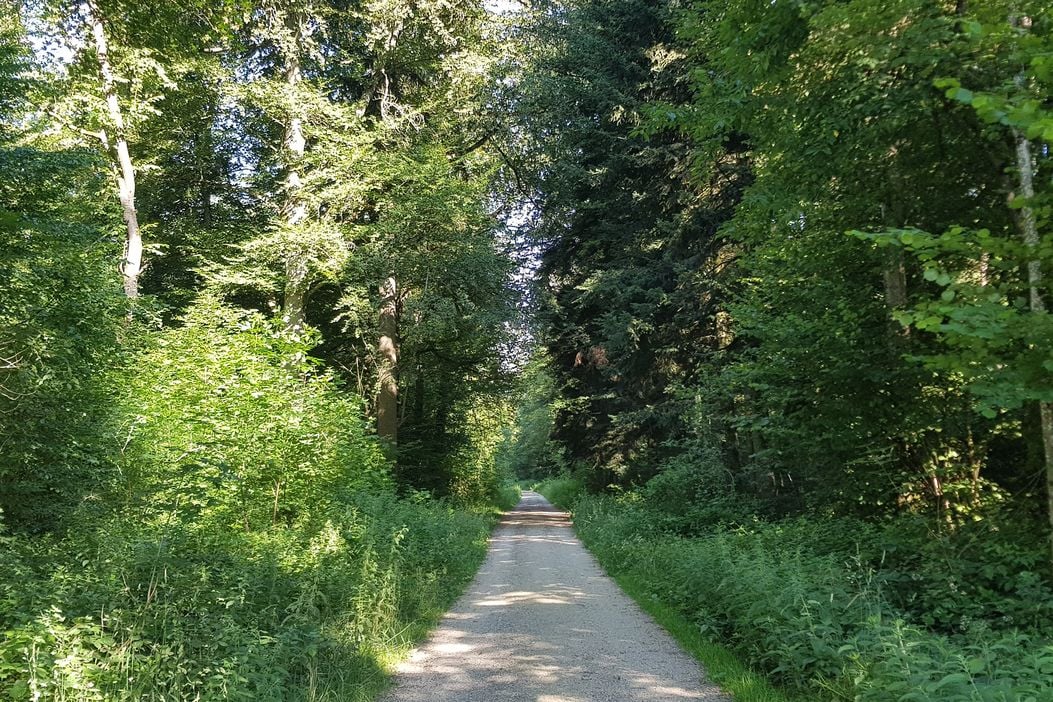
<point x="990" y="315"/>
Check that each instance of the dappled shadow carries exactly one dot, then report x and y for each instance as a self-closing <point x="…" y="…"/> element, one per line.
<point x="542" y="623"/>
<point x="561" y="664"/>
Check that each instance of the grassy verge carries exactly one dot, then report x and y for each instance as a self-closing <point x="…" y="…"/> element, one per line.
<point x="722" y="666"/>
<point x="315" y="611"/>
<point x="816" y="624"/>
<point x="395" y="650"/>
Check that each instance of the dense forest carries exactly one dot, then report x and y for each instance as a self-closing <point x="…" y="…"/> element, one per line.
<point x="294" y="290"/>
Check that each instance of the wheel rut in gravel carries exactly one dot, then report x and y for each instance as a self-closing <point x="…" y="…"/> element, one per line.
<point x="542" y="622"/>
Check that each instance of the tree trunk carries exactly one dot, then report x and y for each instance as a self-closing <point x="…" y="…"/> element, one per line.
<point x="418" y="395"/>
<point x="388" y="393"/>
<point x="894" y="268"/>
<point x="132" y="264"/>
<point x="895" y="274"/>
<point x="294" y="146"/>
<point x="1029" y="228"/>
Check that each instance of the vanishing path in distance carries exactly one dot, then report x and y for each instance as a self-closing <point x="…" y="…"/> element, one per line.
<point x="541" y="622"/>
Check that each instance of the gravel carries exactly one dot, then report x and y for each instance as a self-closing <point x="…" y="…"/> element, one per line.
<point x="541" y="622"/>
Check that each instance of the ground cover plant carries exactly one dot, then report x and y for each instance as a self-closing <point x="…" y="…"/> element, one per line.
<point x="249" y="544"/>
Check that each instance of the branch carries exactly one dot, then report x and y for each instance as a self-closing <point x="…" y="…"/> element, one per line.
<point x="473" y="147"/>
<point x="100" y="135"/>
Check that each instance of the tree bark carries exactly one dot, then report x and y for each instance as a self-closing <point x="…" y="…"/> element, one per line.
<point x="387" y="395"/>
<point x="1029" y="228"/>
<point x="132" y="264"/>
<point x="418" y="394"/>
<point x="294" y="146"/>
<point x="894" y="268"/>
<point x="895" y="274"/>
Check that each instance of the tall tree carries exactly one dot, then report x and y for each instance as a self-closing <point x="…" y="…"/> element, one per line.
<point x="116" y="141"/>
<point x="631" y="257"/>
<point x="387" y="367"/>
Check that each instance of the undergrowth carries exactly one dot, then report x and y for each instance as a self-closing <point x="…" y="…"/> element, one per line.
<point x="241" y="537"/>
<point x="561" y="491"/>
<point x="164" y="611"/>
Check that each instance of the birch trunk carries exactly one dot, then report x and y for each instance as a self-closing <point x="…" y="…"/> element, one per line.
<point x="387" y="395"/>
<point x="1029" y="228"/>
<point x="294" y="146"/>
<point x="132" y="264"/>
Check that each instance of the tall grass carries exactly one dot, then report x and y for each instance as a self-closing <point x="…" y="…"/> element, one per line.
<point x="160" y="612"/>
<point x="245" y="544"/>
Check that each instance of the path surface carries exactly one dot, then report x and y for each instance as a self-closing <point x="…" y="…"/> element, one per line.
<point x="542" y="623"/>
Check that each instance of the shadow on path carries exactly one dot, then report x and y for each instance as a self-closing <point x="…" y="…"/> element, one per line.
<point x="541" y="622"/>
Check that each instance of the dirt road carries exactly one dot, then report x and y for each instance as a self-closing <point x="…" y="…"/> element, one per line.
<point x="541" y="622"/>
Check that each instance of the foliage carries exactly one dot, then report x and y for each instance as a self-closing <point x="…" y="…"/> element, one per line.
<point x="562" y="491"/>
<point x="527" y="450"/>
<point x="691" y="182"/>
<point x="166" y="609"/>
<point x="248" y="545"/>
<point x="194" y="505"/>
<point x="990" y="331"/>
<point x="627" y="275"/>
<point x="227" y="423"/>
<point x="58" y="333"/>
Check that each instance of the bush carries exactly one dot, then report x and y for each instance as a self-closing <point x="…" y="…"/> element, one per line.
<point x="59" y="327"/>
<point x="563" y="491"/>
<point x="248" y="545"/>
<point x="694" y="492"/>
<point x="982" y="575"/>
<point x="227" y="423"/>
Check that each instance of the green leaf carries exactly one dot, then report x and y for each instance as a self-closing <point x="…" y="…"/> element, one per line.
<point x="962" y="95"/>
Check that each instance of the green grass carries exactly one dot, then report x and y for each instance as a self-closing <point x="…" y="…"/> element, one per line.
<point x="396" y="649"/>
<point x="722" y="666"/>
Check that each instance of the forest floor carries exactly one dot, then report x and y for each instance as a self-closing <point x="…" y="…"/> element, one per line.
<point x="542" y="622"/>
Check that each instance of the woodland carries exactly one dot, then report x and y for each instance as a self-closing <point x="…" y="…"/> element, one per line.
<point x="295" y="295"/>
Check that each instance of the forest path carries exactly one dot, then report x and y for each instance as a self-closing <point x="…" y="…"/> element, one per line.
<point x="541" y="622"/>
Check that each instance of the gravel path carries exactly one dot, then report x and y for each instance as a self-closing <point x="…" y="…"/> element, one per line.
<point x="541" y="622"/>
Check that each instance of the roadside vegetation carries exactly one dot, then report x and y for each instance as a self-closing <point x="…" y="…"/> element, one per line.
<point x="827" y="609"/>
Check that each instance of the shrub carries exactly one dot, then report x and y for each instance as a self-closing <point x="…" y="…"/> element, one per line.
<point x="59" y="326"/>
<point x="562" y="491"/>
<point x="250" y="546"/>
<point x="695" y="491"/>
<point x="132" y="611"/>
<point x="227" y="422"/>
